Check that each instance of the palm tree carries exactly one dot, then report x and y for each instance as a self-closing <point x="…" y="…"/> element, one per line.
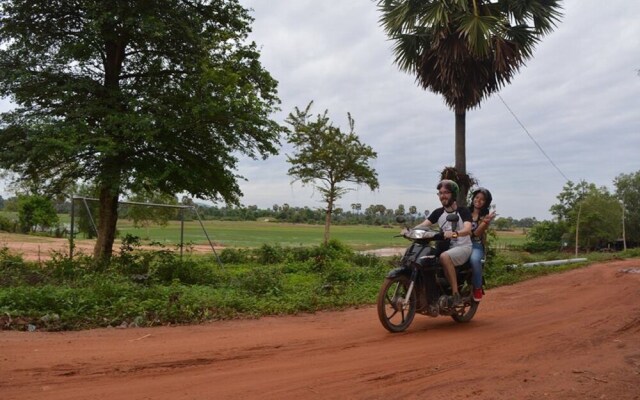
<point x="465" y="50"/>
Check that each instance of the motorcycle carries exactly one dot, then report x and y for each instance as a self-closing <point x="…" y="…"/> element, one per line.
<point x="419" y="284"/>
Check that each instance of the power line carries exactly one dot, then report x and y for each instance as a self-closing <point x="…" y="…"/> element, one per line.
<point x="531" y="137"/>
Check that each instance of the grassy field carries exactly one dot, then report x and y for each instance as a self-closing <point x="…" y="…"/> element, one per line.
<point x="256" y="233"/>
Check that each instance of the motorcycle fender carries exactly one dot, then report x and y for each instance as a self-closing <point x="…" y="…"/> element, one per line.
<point x="399" y="272"/>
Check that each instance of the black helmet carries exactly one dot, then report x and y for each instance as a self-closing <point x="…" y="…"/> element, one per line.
<point x="487" y="196"/>
<point x="450" y="186"/>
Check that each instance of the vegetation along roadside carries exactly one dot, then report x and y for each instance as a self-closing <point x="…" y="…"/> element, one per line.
<point x="152" y="288"/>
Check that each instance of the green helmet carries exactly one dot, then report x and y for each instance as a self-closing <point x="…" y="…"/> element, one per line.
<point x="450" y="186"/>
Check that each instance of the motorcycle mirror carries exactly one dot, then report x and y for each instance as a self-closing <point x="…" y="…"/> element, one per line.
<point x="453" y="218"/>
<point x="426" y="213"/>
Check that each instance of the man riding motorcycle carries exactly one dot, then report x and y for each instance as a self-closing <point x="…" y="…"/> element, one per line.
<point x="460" y="244"/>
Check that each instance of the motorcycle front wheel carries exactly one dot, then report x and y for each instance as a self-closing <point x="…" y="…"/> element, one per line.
<point x="394" y="315"/>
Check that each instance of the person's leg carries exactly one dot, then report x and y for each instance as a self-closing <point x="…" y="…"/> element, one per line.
<point x="476" y="264"/>
<point x="449" y="260"/>
<point x="476" y="270"/>
<point x="449" y="271"/>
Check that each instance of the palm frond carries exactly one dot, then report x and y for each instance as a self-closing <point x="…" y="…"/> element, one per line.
<point x="465" y="50"/>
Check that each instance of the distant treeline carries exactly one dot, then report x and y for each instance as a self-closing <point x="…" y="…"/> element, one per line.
<point x="372" y="215"/>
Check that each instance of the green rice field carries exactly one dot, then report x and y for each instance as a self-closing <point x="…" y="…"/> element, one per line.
<point x="256" y="233"/>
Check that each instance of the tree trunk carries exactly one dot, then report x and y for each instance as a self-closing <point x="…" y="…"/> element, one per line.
<point x="327" y="218"/>
<point x="461" y="155"/>
<point x="327" y="224"/>
<point x="108" y="218"/>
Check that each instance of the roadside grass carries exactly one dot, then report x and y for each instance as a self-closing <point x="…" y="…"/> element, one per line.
<point x="152" y="288"/>
<point x="142" y="288"/>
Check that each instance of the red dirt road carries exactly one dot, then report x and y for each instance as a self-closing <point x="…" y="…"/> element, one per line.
<point x="570" y="336"/>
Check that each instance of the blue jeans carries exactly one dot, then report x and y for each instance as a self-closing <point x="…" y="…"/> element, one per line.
<point x="477" y="254"/>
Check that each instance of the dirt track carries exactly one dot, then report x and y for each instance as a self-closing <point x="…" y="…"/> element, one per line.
<point x="40" y="248"/>
<point x="569" y="336"/>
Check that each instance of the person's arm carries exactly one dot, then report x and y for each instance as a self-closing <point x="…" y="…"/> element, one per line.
<point x="465" y="231"/>
<point x="483" y="225"/>
<point x="465" y="217"/>
<point x="424" y="224"/>
<point x="430" y="220"/>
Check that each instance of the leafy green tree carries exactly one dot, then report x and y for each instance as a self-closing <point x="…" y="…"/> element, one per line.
<point x="570" y="197"/>
<point x="465" y="50"/>
<point x="132" y="96"/>
<point x="598" y="220"/>
<point x="369" y="210"/>
<point x="526" y="222"/>
<point x="593" y="211"/>
<point x="547" y="231"/>
<point x="36" y="212"/>
<point x="547" y="236"/>
<point x="356" y="207"/>
<point x="380" y="209"/>
<point x="326" y="157"/>
<point x="628" y="190"/>
<point x="503" y="224"/>
<point x="11" y="204"/>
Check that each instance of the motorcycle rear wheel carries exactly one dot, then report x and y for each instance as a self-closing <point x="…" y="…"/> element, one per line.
<point x="393" y="314"/>
<point x="466" y="312"/>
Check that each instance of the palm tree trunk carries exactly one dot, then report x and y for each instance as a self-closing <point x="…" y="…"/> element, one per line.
<point x="461" y="155"/>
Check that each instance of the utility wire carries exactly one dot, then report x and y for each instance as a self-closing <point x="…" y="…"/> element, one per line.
<point x="531" y="137"/>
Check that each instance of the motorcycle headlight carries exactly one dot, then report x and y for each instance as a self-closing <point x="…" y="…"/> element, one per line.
<point x="421" y="234"/>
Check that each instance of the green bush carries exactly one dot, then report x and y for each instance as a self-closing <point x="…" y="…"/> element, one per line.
<point x="541" y="246"/>
<point x="264" y="280"/>
<point x="235" y="256"/>
<point x="337" y="271"/>
<point x="8" y="225"/>
<point x="545" y="236"/>
<point x="189" y="272"/>
<point x="14" y="271"/>
<point x="324" y="254"/>
<point x="270" y="254"/>
<point x="299" y="253"/>
<point x="36" y="212"/>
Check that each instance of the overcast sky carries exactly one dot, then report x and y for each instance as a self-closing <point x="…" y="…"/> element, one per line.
<point x="578" y="97"/>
